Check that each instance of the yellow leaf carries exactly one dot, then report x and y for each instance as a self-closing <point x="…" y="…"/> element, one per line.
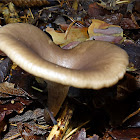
<point x="75" y="34"/>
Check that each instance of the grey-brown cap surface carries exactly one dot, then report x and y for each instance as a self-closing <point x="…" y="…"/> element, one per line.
<point x="92" y="64"/>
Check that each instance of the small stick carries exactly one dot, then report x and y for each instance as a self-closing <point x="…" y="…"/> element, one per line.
<point x="59" y="130"/>
<point x="131" y="115"/>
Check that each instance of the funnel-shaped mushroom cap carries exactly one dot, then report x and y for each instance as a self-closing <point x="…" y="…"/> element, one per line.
<point x="92" y="64"/>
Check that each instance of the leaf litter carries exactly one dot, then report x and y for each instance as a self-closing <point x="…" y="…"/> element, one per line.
<point x="21" y="114"/>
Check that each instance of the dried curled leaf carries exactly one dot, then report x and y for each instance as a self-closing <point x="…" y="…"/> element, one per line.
<point x="31" y="132"/>
<point x="8" y="88"/>
<point x="100" y="30"/>
<point x="18" y="104"/>
<point x="28" y="3"/>
<point x="75" y="34"/>
<point x="28" y="115"/>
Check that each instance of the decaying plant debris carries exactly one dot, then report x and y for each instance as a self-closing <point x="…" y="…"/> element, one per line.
<point x="27" y="3"/>
<point x="108" y="113"/>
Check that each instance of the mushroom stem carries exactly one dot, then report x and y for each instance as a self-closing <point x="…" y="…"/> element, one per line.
<point x="56" y="96"/>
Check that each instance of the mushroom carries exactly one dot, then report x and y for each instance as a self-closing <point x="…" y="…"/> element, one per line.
<point x="92" y="64"/>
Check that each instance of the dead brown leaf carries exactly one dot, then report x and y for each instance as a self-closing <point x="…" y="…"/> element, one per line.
<point x="9" y="88"/>
<point x="100" y="30"/>
<point x="29" y="132"/>
<point x="75" y="34"/>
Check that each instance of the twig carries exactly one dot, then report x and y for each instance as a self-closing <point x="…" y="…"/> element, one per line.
<point x="59" y="130"/>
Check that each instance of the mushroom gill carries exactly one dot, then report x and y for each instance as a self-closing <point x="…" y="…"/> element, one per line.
<point x="92" y="64"/>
